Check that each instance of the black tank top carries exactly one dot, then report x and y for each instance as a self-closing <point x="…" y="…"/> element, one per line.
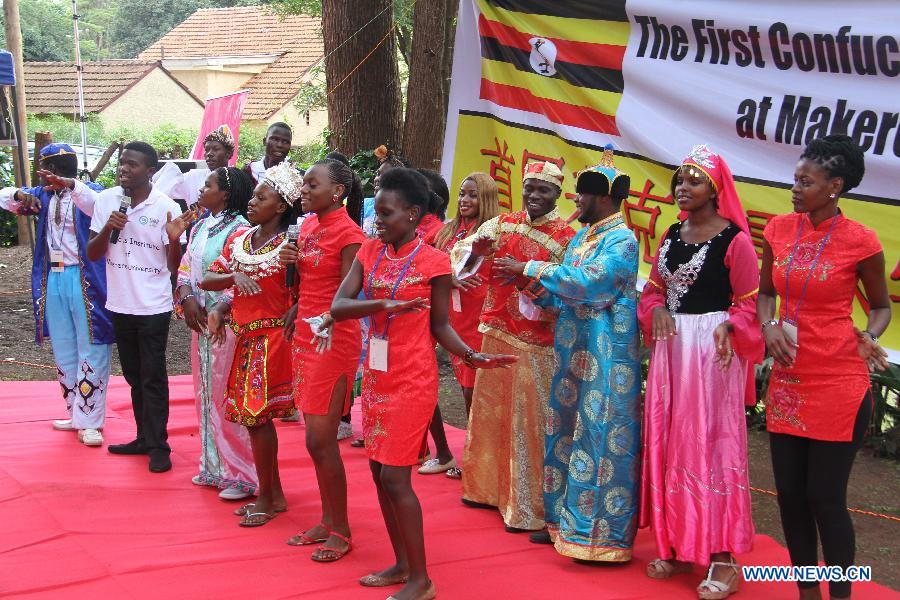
<point x="697" y="280"/>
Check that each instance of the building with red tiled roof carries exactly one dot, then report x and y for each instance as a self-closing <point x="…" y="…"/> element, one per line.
<point x="216" y="51"/>
<point x="136" y="93"/>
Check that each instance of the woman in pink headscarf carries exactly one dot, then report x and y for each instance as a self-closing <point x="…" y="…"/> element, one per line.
<point x="697" y="314"/>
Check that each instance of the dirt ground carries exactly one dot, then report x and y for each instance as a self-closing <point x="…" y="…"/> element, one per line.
<point x="874" y="484"/>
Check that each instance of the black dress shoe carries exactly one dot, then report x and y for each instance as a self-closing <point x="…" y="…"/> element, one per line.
<point x="159" y="462"/>
<point x="473" y="504"/>
<point x="540" y="537"/>
<point x="516" y="530"/>
<point x="132" y="447"/>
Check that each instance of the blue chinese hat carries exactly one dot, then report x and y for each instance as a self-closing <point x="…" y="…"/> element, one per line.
<point x="51" y="150"/>
<point x="603" y="178"/>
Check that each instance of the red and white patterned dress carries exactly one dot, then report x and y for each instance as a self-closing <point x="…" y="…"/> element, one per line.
<point x="259" y="385"/>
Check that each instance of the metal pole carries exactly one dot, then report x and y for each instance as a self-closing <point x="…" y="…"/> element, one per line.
<point x="80" y="69"/>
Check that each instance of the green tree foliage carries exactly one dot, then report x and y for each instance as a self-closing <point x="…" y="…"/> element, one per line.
<point x="46" y="30"/>
<point x="107" y="28"/>
<point x="312" y="8"/>
<point x="9" y="232"/>
<point x="403" y="17"/>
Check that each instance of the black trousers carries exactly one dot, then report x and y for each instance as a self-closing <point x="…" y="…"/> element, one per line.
<point x="141" y="341"/>
<point x="811" y="478"/>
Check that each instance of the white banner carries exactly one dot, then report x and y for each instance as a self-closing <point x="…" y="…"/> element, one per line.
<point x="756" y="80"/>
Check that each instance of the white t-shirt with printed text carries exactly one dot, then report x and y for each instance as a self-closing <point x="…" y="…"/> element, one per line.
<point x="137" y="272"/>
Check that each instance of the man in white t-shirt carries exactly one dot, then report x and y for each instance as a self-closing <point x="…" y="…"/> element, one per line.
<point x="218" y="147"/>
<point x="277" y="145"/>
<point x="139" y="264"/>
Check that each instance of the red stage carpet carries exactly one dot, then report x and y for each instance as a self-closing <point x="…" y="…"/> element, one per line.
<point x="81" y="523"/>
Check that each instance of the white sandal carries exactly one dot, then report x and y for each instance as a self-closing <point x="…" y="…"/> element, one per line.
<point x="433" y="466"/>
<point x="663" y="569"/>
<point x="713" y="589"/>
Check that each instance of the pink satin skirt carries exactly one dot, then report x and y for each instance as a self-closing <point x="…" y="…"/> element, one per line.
<point x="226" y="460"/>
<point x="695" y="493"/>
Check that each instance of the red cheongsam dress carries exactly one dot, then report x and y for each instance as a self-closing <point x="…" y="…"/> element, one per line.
<point x="397" y="404"/>
<point x="819" y="396"/>
<point x="321" y="242"/>
<point x="465" y="320"/>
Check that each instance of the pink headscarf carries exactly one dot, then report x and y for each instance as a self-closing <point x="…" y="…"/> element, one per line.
<point x="715" y="167"/>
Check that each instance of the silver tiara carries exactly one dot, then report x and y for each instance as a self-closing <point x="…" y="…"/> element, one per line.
<point x="286" y="180"/>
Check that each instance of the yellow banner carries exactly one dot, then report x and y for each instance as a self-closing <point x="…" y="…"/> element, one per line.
<point x="485" y="144"/>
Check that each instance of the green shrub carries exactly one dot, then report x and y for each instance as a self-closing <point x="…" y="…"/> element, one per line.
<point x="365" y="163"/>
<point x="170" y="141"/>
<point x="9" y="232"/>
<point x="250" y="143"/>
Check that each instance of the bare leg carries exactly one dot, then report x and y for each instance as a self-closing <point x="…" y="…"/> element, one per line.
<point x="395" y="482"/>
<point x="401" y="567"/>
<point x="441" y="448"/>
<point x="467" y="398"/>
<point x="322" y="444"/>
<point x="264" y="443"/>
<point x="278" y="499"/>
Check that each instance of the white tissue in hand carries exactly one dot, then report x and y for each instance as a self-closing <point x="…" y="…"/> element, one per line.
<point x="315" y="325"/>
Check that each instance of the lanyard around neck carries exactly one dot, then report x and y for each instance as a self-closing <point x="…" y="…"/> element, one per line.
<point x="396" y="286"/>
<point x="57" y="243"/>
<point x="812" y="268"/>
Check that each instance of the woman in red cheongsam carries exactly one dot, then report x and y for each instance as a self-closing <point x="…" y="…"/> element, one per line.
<point x="325" y="360"/>
<point x="406" y="286"/>
<point x="478" y="202"/>
<point x="820" y="403"/>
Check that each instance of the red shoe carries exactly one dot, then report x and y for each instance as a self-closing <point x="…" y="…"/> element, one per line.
<point x="301" y="539"/>
<point x="325" y="555"/>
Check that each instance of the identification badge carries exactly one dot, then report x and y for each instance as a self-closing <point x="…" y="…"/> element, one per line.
<point x="790" y="330"/>
<point x="378" y="354"/>
<point x="57" y="265"/>
<point x="455" y="300"/>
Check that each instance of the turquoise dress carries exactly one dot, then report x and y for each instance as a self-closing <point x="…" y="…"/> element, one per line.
<point x="226" y="460"/>
<point x="592" y="436"/>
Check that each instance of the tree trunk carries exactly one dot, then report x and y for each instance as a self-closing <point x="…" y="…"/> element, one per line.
<point x="14" y="45"/>
<point x="429" y="82"/>
<point x="364" y="103"/>
<point x="449" y="45"/>
<point x="41" y="139"/>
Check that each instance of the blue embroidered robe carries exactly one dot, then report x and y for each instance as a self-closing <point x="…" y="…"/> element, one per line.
<point x="93" y="273"/>
<point x="592" y="436"/>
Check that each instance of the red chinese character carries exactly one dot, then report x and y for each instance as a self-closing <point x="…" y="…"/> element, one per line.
<point x="641" y="219"/>
<point x="500" y="172"/>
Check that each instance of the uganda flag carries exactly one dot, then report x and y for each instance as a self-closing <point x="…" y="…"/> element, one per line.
<point x="560" y="59"/>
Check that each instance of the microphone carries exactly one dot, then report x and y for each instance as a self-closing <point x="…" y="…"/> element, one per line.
<point x="293" y="234"/>
<point x="123" y="208"/>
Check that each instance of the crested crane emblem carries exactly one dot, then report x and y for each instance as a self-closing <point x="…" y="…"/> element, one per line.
<point x="543" y="56"/>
